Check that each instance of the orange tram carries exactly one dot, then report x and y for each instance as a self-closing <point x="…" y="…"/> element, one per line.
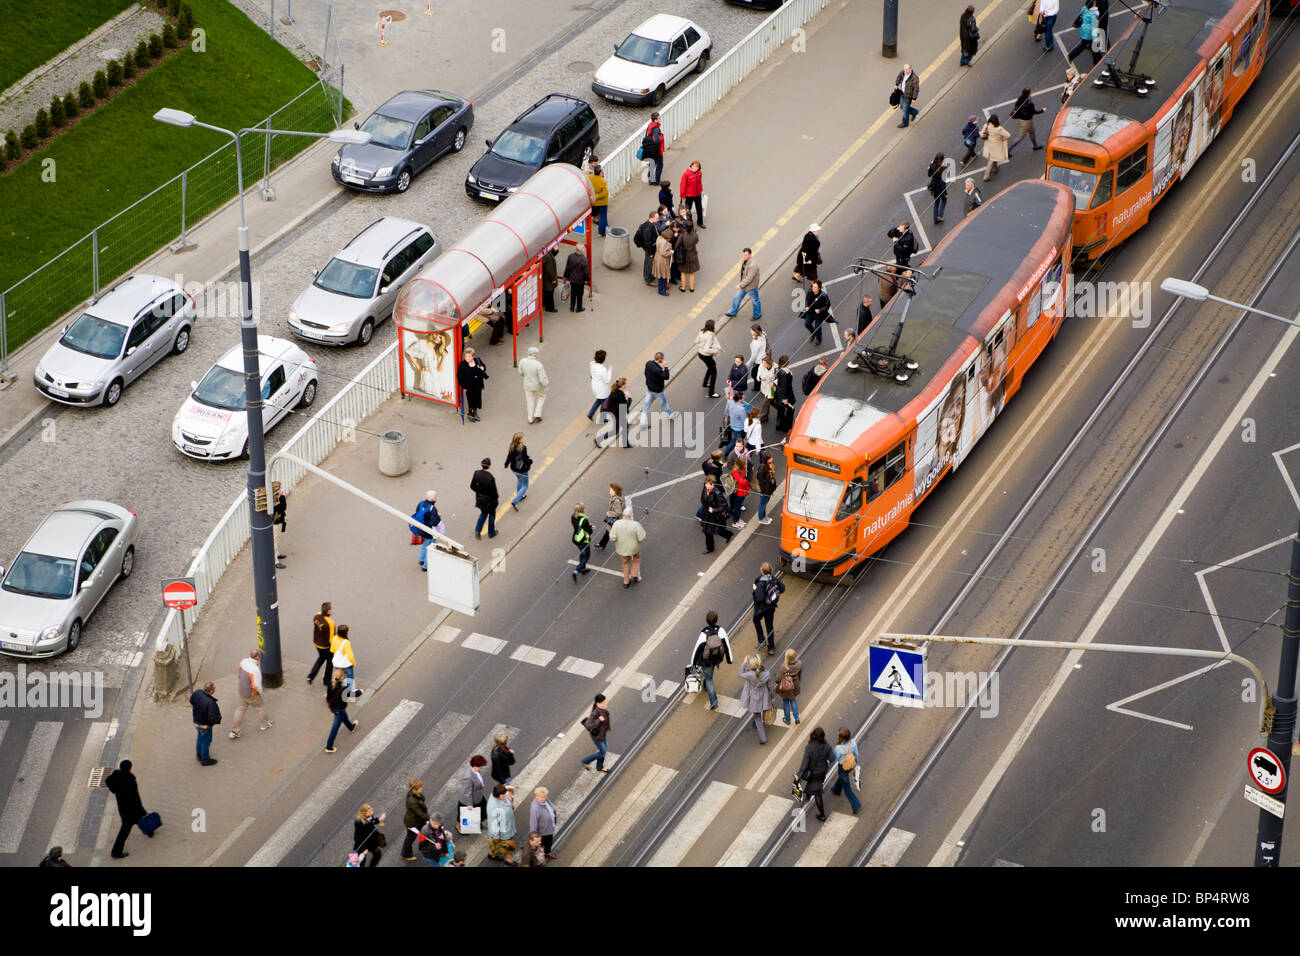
<point x="1146" y="113"/>
<point x="926" y="379"/>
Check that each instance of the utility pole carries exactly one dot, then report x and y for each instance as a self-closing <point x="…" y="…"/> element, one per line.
<point x="889" y="35"/>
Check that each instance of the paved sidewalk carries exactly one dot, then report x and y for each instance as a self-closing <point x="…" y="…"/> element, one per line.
<point x="342" y="550"/>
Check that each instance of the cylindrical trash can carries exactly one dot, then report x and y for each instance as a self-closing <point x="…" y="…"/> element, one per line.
<point x="394" y="458"/>
<point x="618" y="248"/>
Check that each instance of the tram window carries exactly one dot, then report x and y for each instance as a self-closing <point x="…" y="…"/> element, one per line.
<point x="852" y="502"/>
<point x="875" y="480"/>
<point x="812" y="496"/>
<point x="895" y="464"/>
<point x="1131" y="168"/>
<point x="1104" y="189"/>
<point x="1080" y="183"/>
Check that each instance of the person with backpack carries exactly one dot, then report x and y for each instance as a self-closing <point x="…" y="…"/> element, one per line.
<point x="517" y="460"/>
<point x="970" y="138"/>
<point x="846" y="761"/>
<point x="597" y="724"/>
<point x="582" y="532"/>
<point x="249" y="675"/>
<point x="817" y="756"/>
<point x="652" y="149"/>
<point x="765" y="478"/>
<point x="337" y="702"/>
<point x="426" y="512"/>
<point x="756" y="695"/>
<point x="768" y="589"/>
<point x="712" y="650"/>
<point x="714" y="501"/>
<point x="787" y="685"/>
<point x="644" y="239"/>
<point x="416" y="813"/>
<point x="814" y="375"/>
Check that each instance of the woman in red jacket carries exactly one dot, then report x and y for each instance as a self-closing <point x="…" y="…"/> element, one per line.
<point x="691" y="189"/>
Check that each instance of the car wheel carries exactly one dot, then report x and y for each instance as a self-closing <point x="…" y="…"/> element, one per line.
<point x="128" y="563"/>
<point x="658" y="97"/>
<point x="404" y="181"/>
<point x="367" y="331"/>
<point x="458" y="143"/>
<point x="182" y="341"/>
<point x="113" y="394"/>
<point x="308" y="395"/>
<point x="703" y="63"/>
<point x="74" y="635"/>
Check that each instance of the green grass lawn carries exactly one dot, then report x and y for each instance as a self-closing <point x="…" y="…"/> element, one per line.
<point x="115" y="157"/>
<point x="36" y="32"/>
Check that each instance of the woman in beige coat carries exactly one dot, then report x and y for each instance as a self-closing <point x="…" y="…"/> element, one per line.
<point x="662" y="267"/>
<point x="995" y="145"/>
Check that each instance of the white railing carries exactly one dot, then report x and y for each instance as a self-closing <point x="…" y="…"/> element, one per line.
<point x="336" y="421"/>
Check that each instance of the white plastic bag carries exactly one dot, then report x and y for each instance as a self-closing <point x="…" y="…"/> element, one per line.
<point x="470" y="822"/>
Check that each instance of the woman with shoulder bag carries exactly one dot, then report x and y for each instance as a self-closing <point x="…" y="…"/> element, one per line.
<point x="336" y="701"/>
<point x="812" y="770"/>
<point x="766" y="479"/>
<point x="846" y="762"/>
<point x="707" y="347"/>
<point x="756" y="695"/>
<point x="787" y="685"/>
<point x="995" y="145"/>
<point x="617" y="408"/>
<point x="970" y="138"/>
<point x="937" y="186"/>
<point x="366" y="836"/>
<point x="517" y="460"/>
<point x="1024" y="112"/>
<point x="612" y="513"/>
<point x="687" y="246"/>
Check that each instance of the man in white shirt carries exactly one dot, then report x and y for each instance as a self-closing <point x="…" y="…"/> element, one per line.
<point x="250" y="693"/>
<point x="536" y="384"/>
<point x="1048" y="10"/>
<point x="601" y="377"/>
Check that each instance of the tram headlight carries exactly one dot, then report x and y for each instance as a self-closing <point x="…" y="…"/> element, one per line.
<point x="805" y="545"/>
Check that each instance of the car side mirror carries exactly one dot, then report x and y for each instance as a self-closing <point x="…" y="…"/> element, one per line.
<point x="193" y="386"/>
<point x="86" y="583"/>
<point x="674" y="61"/>
<point x="315" y="273"/>
<point x="2" y="570"/>
<point x="383" y="289"/>
<point x="130" y="350"/>
<point x="356" y="125"/>
<point x="615" y="47"/>
<point x="65" y="328"/>
<point x="488" y="142"/>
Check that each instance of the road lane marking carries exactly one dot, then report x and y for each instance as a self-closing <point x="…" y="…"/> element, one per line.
<point x="625" y="816"/>
<point x="579" y="666"/>
<point x="892" y="848"/>
<point x="692" y="826"/>
<point x="446" y="634"/>
<point x="31" y="774"/>
<point x="583" y="784"/>
<point x="830" y="837"/>
<point x="481" y="642"/>
<point x="68" y="826"/>
<point x="771" y="813"/>
<point x="532" y="655"/>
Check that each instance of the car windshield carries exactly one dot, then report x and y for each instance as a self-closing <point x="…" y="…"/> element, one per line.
<point x="640" y="49"/>
<point x="94" y="336"/>
<point x="812" y="496"/>
<point x="222" y="388"/>
<point x="522" y="148"/>
<point x="1080" y="183"/>
<point x="386" y="131"/>
<point x="42" y="576"/>
<point x="347" y="278"/>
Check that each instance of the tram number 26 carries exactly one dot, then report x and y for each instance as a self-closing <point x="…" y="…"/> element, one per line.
<point x="807" y="534"/>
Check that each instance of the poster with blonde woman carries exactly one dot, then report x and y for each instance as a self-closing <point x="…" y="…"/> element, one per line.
<point x="429" y="365"/>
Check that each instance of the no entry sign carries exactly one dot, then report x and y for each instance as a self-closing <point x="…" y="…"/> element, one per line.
<point x="179" y="593"/>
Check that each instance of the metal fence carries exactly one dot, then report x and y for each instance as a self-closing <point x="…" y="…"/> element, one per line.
<point x="335" y="422"/>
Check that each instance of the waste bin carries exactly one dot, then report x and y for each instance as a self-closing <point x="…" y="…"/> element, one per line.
<point x="394" y="458"/>
<point x="618" y="248"/>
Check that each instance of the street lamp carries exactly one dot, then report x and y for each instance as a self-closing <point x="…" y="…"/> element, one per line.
<point x="268" y="620"/>
<point x="1268" y="845"/>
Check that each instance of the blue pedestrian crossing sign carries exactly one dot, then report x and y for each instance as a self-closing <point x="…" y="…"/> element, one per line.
<point x="897" y="673"/>
<point x="580" y="229"/>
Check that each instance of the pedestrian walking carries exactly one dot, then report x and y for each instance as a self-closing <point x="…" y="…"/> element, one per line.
<point x="812" y="378"/>
<point x="601" y="377"/>
<point x="864" y="314"/>
<point x="486" y="499"/>
<point x="502" y="758"/>
<point x="746" y="285"/>
<point x="708" y="347"/>
<point x="644" y="239"/>
<point x="784" y="394"/>
<point x="756" y="696"/>
<point x="652" y="149"/>
<point x="367" y="835"/>
<point x="433" y="840"/>
<point x="344" y="660"/>
<point x="501" y="826"/>
<point x="336" y="699"/>
<point x="123" y="785"/>
<point x="550" y="280"/>
<point x="613" y="513"/>
<point x="472" y="789"/>
<point x="995" y="145"/>
<point x="1048" y="10"/>
<point x="788" y="685"/>
<point x="766" y="385"/>
<point x="517" y="461"/>
<point x="767" y="592"/>
<point x="817" y="756"/>
<point x="415" y="817"/>
<point x="971" y="196"/>
<point x="938" y="186"/>
<point x="577" y="272"/>
<point x="737" y="415"/>
<point x="627" y="535"/>
<point x="754" y="432"/>
<point x="616" y="416"/>
<point x="765" y="478"/>
<point x="691" y="189"/>
<point x="909" y="85"/>
<point x="581" y="538"/>
<point x="1024" y="112"/>
<point x="663" y="264"/>
<point x="809" y="255"/>
<point x="600" y="204"/>
<point x="1086" y="24"/>
<point x="656" y="378"/>
<point x="536" y="384"/>
<point x="426" y="513"/>
<point x="207" y="714"/>
<point x="904" y="243"/>
<point x="758" y="347"/>
<point x="846" y="762"/>
<point x="737" y="378"/>
<point x="817" y="310"/>
<point x="471" y="373"/>
<point x="249" y="675"/>
<point x="739" y="491"/>
<point x="597" y="724"/>
<point x="968" y="33"/>
<point x="280" y="514"/>
<point x="712" y="649"/>
<point x="534" y="850"/>
<point x="543" y="819"/>
<point x="714" y="502"/>
<point x="970" y="138"/>
<point x="687" y="247"/>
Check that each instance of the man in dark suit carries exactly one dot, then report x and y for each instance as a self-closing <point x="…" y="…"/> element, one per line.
<point x="123" y="785"/>
<point x="486" y="499"/>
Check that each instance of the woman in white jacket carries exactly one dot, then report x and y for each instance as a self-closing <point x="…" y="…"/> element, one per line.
<point x="707" y="347"/>
<point x="758" y="347"/>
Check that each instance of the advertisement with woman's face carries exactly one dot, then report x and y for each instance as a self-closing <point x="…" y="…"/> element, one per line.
<point x="429" y="360"/>
<point x="937" y="435"/>
<point x="994" y="367"/>
<point x="1212" y="95"/>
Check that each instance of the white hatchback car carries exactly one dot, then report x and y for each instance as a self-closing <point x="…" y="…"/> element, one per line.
<point x="212" y="422"/>
<point x="654" y="56"/>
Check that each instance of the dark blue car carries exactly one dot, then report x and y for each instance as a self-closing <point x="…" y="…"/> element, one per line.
<point x="407" y="133"/>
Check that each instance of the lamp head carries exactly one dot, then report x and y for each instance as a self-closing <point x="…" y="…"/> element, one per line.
<point x="1185" y="289"/>
<point x="354" y="137"/>
<point x="174" y="117"/>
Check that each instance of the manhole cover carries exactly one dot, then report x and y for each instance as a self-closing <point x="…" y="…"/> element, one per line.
<point x="581" y="66"/>
<point x="395" y="14"/>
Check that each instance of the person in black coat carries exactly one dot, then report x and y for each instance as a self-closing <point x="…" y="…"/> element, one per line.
<point x="904" y="243"/>
<point x="486" y="499"/>
<point x="503" y="758"/>
<point x="784" y="396"/>
<point x="738" y="377"/>
<point x="365" y="835"/>
<point x="666" y="194"/>
<point x="644" y="239"/>
<point x="937" y="186"/>
<point x="549" y="280"/>
<point x="864" y="315"/>
<point x="817" y="756"/>
<point x="471" y="373"/>
<point x="810" y="255"/>
<point x="817" y="311"/>
<point x="716" y="512"/>
<point x="614" y="417"/>
<point x="54" y="859"/>
<point x="577" y="272"/>
<point x="122" y="783"/>
<point x="968" y="32"/>
<point x="206" y="717"/>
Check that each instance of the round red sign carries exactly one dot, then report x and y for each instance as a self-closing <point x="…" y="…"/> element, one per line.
<point x="179" y="595"/>
<point x="1266" y="770"/>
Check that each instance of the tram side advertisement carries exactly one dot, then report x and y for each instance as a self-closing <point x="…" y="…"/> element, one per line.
<point x="1187" y="129"/>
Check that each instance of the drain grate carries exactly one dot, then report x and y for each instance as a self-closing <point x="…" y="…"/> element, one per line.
<point x="97" y="775"/>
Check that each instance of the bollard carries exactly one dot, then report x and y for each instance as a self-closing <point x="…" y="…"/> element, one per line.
<point x="394" y="457"/>
<point x="618" y="248"/>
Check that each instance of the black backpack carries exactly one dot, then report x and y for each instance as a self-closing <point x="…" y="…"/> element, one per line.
<point x="649" y="146"/>
<point x="810" y="380"/>
<point x="713" y="654"/>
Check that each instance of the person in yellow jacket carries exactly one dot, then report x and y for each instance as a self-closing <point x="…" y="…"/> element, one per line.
<point x="344" y="659"/>
<point x="600" y="205"/>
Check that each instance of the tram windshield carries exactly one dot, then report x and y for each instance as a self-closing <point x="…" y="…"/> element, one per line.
<point x="1080" y="183"/>
<point x="812" y="496"/>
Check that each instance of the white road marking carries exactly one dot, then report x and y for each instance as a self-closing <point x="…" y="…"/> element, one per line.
<point x="948" y="853"/>
<point x="446" y="634"/>
<point x="332" y="788"/>
<point x="591" y="567"/>
<point x="31" y="774"/>
<point x="625" y="816"/>
<point x="773" y="812"/>
<point x="583" y="784"/>
<point x="667" y="688"/>
<point x="532" y="655"/>
<point x="1286" y="475"/>
<point x="731" y="706"/>
<point x="579" y="666"/>
<point x="892" y="848"/>
<point x="481" y="642"/>
<point x="698" y="818"/>
<point x="830" y="837"/>
<point x="68" y="825"/>
<point x="447" y="800"/>
<point x="633" y="680"/>
<point x="1002" y="862"/>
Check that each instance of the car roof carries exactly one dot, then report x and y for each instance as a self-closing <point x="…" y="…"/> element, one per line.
<point x="371" y="246"/>
<point x="268" y="346"/>
<point x="63" y="534"/>
<point x="548" y="112"/>
<point x="663" y="26"/>
<point x="124" y="301"/>
<point x="413" y="104"/>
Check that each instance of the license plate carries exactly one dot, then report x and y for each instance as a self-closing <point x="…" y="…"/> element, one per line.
<point x="58" y="391"/>
<point x="488" y="195"/>
<point x="616" y="99"/>
<point x="354" y="180"/>
<point x="197" y="451"/>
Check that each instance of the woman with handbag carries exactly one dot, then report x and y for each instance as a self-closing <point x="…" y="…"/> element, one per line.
<point x="817" y="311"/>
<point x="470" y="376"/>
<point x="968" y="32"/>
<point x="366" y="835"/>
<point x="612" y="513"/>
<point x="810" y="255"/>
<point x="617" y="409"/>
<point x="816" y="762"/>
<point x="756" y="695"/>
<point x="1024" y="112"/>
<point x="846" y="763"/>
<point x="517" y="460"/>
<point x="707" y="347"/>
<point x="787" y="685"/>
<point x="597" y="724"/>
<point x="687" y="247"/>
<point x="995" y="145"/>
<point x="938" y="187"/>
<point x="336" y="701"/>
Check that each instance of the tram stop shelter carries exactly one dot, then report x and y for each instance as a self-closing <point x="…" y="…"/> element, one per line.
<point x="500" y="257"/>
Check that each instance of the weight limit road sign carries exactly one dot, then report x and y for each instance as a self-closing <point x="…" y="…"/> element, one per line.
<point x="1266" y="770"/>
